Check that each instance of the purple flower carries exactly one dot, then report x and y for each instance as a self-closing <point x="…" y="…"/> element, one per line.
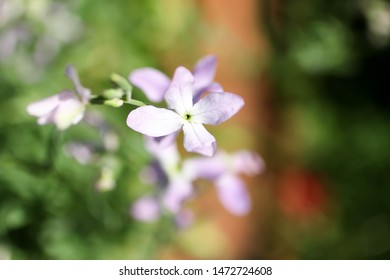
<point x="183" y="113"/>
<point x="147" y="209"/>
<point x="65" y="108"/>
<point x="154" y="83"/>
<point x="223" y="170"/>
<point x="173" y="187"/>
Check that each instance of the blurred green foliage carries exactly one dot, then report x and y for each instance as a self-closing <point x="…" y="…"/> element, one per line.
<point x="330" y="72"/>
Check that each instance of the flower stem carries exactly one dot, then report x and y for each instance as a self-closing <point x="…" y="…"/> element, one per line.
<point x="135" y="102"/>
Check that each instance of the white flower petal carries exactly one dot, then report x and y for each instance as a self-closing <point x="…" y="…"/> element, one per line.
<point x="69" y="112"/>
<point x="198" y="139"/>
<point x="179" y="94"/>
<point x="153" y="121"/>
<point x="153" y="83"/>
<point x="216" y="108"/>
<point x="48" y="104"/>
<point x="179" y="99"/>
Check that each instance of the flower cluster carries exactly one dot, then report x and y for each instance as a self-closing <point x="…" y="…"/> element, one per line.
<point x="65" y="108"/>
<point x="193" y="99"/>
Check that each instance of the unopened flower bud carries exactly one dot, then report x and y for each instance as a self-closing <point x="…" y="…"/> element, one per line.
<point x="121" y="82"/>
<point x="113" y="93"/>
<point x="116" y="102"/>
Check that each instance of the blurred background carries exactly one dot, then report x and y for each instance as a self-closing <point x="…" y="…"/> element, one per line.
<point x="315" y="78"/>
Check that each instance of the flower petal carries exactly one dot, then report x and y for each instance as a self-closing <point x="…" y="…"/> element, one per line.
<point x="69" y="112"/>
<point x="204" y="167"/>
<point x="153" y="121"/>
<point x="182" y="76"/>
<point x="213" y="87"/>
<point x="216" y="107"/>
<point x="198" y="139"/>
<point x="164" y="141"/>
<point x="146" y="209"/>
<point x="179" y="95"/>
<point x="233" y="194"/>
<point x="204" y="72"/>
<point x="177" y="192"/>
<point x="167" y="156"/>
<point x="48" y="118"/>
<point x="46" y="105"/>
<point x="83" y="92"/>
<point x="179" y="99"/>
<point x="247" y="162"/>
<point x="152" y="82"/>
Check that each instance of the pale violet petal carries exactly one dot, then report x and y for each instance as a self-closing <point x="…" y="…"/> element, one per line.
<point x="149" y="174"/>
<point x="198" y="139"/>
<point x="167" y="155"/>
<point x="48" y="118"/>
<point x="83" y="92"/>
<point x="233" y="194"/>
<point x="213" y="87"/>
<point x="247" y="162"/>
<point x="68" y="112"/>
<point x="153" y="174"/>
<point x="204" y="72"/>
<point x="146" y="209"/>
<point x="48" y="104"/>
<point x="216" y="108"/>
<point x="179" y="99"/>
<point x="163" y="141"/>
<point x="153" y="121"/>
<point x="204" y="167"/>
<point x="182" y="76"/>
<point x="177" y="192"/>
<point x="152" y="82"/>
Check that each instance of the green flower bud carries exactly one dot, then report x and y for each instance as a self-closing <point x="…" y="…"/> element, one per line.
<point x="121" y="82"/>
<point x="113" y="93"/>
<point x="115" y="102"/>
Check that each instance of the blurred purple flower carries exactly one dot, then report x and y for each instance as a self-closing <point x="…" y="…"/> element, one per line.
<point x="213" y="109"/>
<point x="81" y="152"/>
<point x="223" y="169"/>
<point x="154" y="83"/>
<point x="149" y="209"/>
<point x="146" y="209"/>
<point x="173" y="188"/>
<point x="65" y="108"/>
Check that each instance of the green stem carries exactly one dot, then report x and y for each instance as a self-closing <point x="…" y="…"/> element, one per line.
<point x="135" y="102"/>
<point x="53" y="146"/>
